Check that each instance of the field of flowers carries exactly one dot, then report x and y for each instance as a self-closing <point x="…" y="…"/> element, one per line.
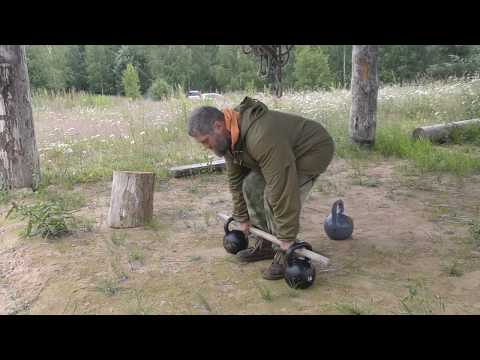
<point x="84" y="137"/>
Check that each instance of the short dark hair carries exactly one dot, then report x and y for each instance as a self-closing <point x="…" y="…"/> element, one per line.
<point x="201" y="120"/>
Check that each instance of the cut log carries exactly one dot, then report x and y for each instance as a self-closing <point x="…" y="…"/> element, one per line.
<point x="131" y="203"/>
<point x="441" y="132"/>
<point x="188" y="170"/>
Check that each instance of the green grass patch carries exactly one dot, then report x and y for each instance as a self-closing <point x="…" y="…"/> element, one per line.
<point x="264" y="291"/>
<point x="118" y="238"/>
<point x="108" y="287"/>
<point x="351" y="309"/>
<point x="475" y="232"/>
<point x="48" y="219"/>
<point x="453" y="269"/>
<point x="136" y="255"/>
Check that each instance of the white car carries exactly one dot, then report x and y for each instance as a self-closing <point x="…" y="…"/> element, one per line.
<point x="194" y="94"/>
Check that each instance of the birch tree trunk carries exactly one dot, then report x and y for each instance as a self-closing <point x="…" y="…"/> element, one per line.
<point x="364" y="87"/>
<point x="19" y="160"/>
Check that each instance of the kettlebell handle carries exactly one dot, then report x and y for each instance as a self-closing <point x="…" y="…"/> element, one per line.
<point x="225" y="227"/>
<point x="337" y="204"/>
<point x="296" y="246"/>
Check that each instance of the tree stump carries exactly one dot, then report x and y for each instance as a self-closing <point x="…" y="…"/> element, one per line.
<point x="131" y="203"/>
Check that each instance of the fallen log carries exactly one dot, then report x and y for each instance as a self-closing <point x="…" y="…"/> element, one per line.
<point x="131" y="203"/>
<point x="442" y="132"/>
<point x="193" y="169"/>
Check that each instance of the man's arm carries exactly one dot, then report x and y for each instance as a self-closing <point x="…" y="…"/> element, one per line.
<point x="236" y="174"/>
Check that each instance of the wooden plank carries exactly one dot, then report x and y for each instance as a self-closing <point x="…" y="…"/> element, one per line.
<point x="192" y="169"/>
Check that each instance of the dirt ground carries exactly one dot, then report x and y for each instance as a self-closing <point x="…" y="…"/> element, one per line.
<point x="411" y="253"/>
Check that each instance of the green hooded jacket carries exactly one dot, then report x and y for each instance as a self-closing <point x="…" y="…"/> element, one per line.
<point x="281" y="147"/>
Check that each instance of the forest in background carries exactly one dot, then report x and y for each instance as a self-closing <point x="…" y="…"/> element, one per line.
<point x="162" y="69"/>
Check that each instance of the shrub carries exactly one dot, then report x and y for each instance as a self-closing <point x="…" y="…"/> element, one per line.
<point x="160" y="89"/>
<point x="48" y="219"/>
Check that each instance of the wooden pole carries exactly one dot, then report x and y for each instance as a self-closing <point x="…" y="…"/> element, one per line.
<point x="303" y="252"/>
<point x="131" y="202"/>
<point x="364" y="90"/>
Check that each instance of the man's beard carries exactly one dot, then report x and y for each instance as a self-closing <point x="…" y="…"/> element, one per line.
<point x="222" y="144"/>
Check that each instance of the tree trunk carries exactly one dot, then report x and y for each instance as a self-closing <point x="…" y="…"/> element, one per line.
<point x="19" y="160"/>
<point x="364" y="87"/>
<point x="131" y="202"/>
<point x="442" y="132"/>
<point x="344" y="68"/>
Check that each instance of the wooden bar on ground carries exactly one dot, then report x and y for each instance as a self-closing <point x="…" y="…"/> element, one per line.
<point x="188" y="170"/>
<point x="441" y="132"/>
<point x="131" y="203"/>
<point x="303" y="252"/>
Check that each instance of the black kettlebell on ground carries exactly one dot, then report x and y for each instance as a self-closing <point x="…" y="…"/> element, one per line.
<point x="234" y="240"/>
<point x="299" y="271"/>
<point x="337" y="225"/>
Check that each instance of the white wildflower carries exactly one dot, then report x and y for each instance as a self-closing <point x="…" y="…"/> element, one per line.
<point x="142" y="133"/>
<point x="132" y="142"/>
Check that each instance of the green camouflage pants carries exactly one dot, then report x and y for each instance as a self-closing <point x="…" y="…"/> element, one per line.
<point x="260" y="210"/>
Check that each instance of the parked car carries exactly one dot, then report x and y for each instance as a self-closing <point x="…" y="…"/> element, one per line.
<point x="194" y="94"/>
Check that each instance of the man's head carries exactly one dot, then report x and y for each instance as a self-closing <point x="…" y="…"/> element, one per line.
<point x="206" y="124"/>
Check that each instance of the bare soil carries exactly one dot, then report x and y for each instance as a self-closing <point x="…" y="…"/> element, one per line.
<point x="411" y="253"/>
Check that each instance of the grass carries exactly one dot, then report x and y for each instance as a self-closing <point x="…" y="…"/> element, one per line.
<point x="368" y="182"/>
<point x="136" y="255"/>
<point x="140" y="307"/>
<point x="108" y="287"/>
<point x="47" y="219"/>
<point x="264" y="292"/>
<point x="118" y="238"/>
<point x="152" y="135"/>
<point x="204" y="302"/>
<point x="5" y="197"/>
<point x="420" y="301"/>
<point x="154" y="224"/>
<point x="475" y="232"/>
<point x="351" y="309"/>
<point x="453" y="270"/>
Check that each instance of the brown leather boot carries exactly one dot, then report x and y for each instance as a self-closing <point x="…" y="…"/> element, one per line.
<point x="276" y="271"/>
<point x="261" y="251"/>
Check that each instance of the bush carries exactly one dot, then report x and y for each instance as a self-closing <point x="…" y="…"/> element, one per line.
<point x="160" y="89"/>
<point x="48" y="219"/>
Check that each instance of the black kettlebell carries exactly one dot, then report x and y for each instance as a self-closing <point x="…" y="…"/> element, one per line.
<point x="299" y="271"/>
<point x="234" y="240"/>
<point x="337" y="225"/>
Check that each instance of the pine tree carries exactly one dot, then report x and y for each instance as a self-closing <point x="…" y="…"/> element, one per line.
<point x="131" y="82"/>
